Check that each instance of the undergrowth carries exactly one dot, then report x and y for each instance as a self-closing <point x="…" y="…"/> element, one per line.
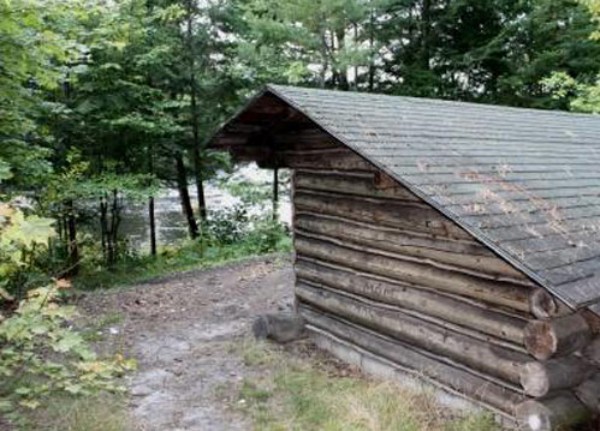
<point x="296" y="393"/>
<point x="101" y="412"/>
<point x="190" y="255"/>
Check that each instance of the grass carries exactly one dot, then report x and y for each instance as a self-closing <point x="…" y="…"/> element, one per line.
<point x="300" y="393"/>
<point x="103" y="412"/>
<point x="190" y="255"/>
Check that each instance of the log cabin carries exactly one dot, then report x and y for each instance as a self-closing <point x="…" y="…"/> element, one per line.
<point x="456" y="242"/>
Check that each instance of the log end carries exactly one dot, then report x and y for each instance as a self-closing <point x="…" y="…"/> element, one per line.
<point x="561" y="411"/>
<point x="533" y="416"/>
<point x="539" y="339"/>
<point x="542" y="304"/>
<point x="534" y="379"/>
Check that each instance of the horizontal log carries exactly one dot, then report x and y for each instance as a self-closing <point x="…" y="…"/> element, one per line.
<point x="411" y="216"/>
<point x="444" y="253"/>
<point x="246" y="153"/>
<point x="593" y="319"/>
<point x="477" y="354"/>
<point x="540" y="378"/>
<point x="351" y="183"/>
<point x="342" y="160"/>
<point x="557" y="337"/>
<point x="384" y="181"/>
<point x="437" y="371"/>
<point x="561" y="411"/>
<point x="592" y="351"/>
<point x="589" y="393"/>
<point x="428" y="302"/>
<point x="498" y="293"/>
<point x="305" y="139"/>
<point x="280" y="327"/>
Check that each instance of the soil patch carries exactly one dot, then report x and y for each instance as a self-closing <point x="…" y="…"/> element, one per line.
<point x="183" y="330"/>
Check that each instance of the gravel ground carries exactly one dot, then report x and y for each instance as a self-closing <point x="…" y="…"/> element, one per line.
<point x="182" y="330"/>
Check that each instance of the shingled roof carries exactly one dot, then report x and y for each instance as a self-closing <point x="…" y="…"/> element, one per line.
<point x="524" y="182"/>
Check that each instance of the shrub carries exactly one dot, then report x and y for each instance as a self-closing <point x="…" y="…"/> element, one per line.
<point x="42" y="354"/>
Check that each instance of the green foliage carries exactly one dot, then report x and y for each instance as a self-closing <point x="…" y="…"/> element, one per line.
<point x="578" y="94"/>
<point x="267" y="237"/>
<point x="22" y="238"/>
<point x="304" y="41"/>
<point x="42" y="354"/>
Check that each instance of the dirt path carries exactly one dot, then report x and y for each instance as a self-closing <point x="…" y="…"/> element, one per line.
<point x="182" y="330"/>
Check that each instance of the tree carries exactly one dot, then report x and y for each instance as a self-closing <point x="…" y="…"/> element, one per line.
<point x="305" y="41"/>
<point x="574" y="92"/>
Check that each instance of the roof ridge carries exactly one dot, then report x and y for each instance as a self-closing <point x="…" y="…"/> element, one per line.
<point x="277" y="88"/>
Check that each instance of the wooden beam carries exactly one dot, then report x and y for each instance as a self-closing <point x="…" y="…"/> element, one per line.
<point x="422" y="364"/>
<point x="439" y="306"/>
<point x="479" y="355"/>
<point x="498" y="293"/>
<point x="441" y="252"/>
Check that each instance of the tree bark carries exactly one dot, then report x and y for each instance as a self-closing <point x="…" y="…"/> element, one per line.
<point x="184" y="197"/>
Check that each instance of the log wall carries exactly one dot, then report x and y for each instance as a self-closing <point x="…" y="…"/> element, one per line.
<point x="381" y="270"/>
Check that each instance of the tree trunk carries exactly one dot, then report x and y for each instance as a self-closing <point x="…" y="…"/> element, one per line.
<point x="425" y="34"/>
<point x="371" y="51"/>
<point x="196" y="144"/>
<point x="184" y="196"/>
<point x="152" y="218"/>
<point x="73" y="246"/>
<point x="115" y="222"/>
<point x="342" y="72"/>
<point x="275" y="194"/>
<point x="151" y="212"/>
<point x="104" y="225"/>
<point x="199" y="183"/>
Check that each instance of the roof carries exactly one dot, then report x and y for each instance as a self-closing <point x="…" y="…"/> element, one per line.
<point x="524" y="182"/>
